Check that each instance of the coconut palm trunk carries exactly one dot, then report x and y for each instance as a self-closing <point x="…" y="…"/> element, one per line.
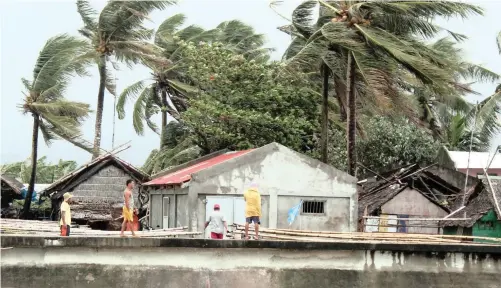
<point x="100" y="106"/>
<point x="351" y="123"/>
<point x="325" y="112"/>
<point x="163" y="136"/>
<point x="34" y="152"/>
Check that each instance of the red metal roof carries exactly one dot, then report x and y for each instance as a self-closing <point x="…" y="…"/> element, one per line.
<point x="184" y="175"/>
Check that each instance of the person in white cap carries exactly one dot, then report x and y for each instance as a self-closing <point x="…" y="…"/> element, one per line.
<point x="65" y="215"/>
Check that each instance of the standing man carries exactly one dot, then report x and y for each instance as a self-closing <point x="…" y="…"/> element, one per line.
<point x="65" y="215"/>
<point x="217" y="223"/>
<point x="252" y="210"/>
<point x="128" y="208"/>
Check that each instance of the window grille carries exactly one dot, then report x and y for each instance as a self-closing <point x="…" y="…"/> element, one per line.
<point x="313" y="207"/>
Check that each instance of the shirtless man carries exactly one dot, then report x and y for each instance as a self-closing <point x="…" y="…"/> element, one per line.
<point x="128" y="208"/>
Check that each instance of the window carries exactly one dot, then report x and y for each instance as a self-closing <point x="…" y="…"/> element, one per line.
<point x="313" y="207"/>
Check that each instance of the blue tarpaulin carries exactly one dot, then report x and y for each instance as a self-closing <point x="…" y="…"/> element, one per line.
<point x="293" y="212"/>
<point x="24" y="191"/>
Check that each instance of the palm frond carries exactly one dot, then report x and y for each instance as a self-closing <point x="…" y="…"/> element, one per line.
<point x="26" y="84"/>
<point x="479" y="73"/>
<point x="131" y="92"/>
<point x="405" y="53"/>
<point x="498" y="40"/>
<point x="139" y="108"/>
<point x="110" y="83"/>
<point x="169" y="27"/>
<point x="88" y="14"/>
<point x="303" y="19"/>
<point x="182" y="87"/>
<point x="58" y="60"/>
<point x="424" y="8"/>
<point x="75" y="110"/>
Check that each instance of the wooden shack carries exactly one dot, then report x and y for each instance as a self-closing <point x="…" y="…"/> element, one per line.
<point x="11" y="190"/>
<point x="97" y="189"/>
<point x="482" y="207"/>
<point x="397" y="200"/>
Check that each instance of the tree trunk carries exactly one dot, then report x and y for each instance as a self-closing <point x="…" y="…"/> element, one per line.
<point x="34" y="152"/>
<point x="325" y="113"/>
<point x="351" y="123"/>
<point x="163" y="134"/>
<point x="340" y="88"/>
<point x="100" y="104"/>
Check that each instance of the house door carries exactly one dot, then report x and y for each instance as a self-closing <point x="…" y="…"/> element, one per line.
<point x="165" y="212"/>
<point x="231" y="207"/>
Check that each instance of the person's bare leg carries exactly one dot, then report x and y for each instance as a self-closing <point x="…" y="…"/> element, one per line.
<point x="131" y="228"/>
<point x="246" y="230"/>
<point x="124" y="224"/>
<point x="256" y="228"/>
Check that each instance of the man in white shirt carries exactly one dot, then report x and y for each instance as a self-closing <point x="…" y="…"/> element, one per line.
<point x="217" y="223"/>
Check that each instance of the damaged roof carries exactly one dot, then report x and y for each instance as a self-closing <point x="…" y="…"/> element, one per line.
<point x="478" y="202"/>
<point x="440" y="185"/>
<point x="12" y="183"/>
<point x="73" y="179"/>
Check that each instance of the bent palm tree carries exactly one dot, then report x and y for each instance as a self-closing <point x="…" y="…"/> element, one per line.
<point x="53" y="116"/>
<point x="375" y="42"/>
<point x="117" y="31"/>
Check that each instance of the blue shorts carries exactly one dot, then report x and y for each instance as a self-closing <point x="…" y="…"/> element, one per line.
<point x="254" y="219"/>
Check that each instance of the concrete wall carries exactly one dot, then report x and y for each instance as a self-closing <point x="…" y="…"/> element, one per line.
<point x="177" y="206"/>
<point x="186" y="263"/>
<point x="279" y="172"/>
<point x="412" y="203"/>
<point x="335" y="218"/>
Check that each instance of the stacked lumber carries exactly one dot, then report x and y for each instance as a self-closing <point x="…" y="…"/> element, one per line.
<point x="329" y="236"/>
<point x="49" y="228"/>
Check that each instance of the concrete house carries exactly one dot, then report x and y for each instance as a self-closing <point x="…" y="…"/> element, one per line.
<point x="411" y="192"/>
<point x="185" y="195"/>
<point x="458" y="160"/>
<point x="97" y="187"/>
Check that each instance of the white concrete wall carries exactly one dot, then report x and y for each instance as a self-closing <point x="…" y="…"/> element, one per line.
<point x="279" y="172"/>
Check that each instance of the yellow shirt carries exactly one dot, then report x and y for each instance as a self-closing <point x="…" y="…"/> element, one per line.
<point x="252" y="203"/>
<point x="65" y="207"/>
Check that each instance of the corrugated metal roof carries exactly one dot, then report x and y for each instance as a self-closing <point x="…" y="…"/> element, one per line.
<point x="477" y="159"/>
<point x="184" y="175"/>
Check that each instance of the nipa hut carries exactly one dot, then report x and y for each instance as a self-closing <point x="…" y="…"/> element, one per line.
<point x="482" y="207"/>
<point x="97" y="189"/>
<point x="407" y="193"/>
<point x="11" y="190"/>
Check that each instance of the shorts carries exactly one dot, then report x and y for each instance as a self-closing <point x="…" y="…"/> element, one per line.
<point x="65" y="232"/>
<point x="254" y="219"/>
<point x="216" y="235"/>
<point x="127" y="213"/>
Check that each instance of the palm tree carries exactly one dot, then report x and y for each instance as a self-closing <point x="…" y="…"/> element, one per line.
<point x="117" y="31"/>
<point x="375" y="42"/>
<point x="53" y="116"/>
<point x="169" y="89"/>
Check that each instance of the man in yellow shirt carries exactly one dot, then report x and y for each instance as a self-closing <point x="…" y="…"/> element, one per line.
<point x="252" y="209"/>
<point x="65" y="215"/>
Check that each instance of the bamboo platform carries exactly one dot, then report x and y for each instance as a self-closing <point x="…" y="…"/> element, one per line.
<point x="328" y="236"/>
<point x="50" y="228"/>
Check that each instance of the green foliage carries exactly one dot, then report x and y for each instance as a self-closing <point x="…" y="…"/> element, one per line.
<point x="244" y="104"/>
<point x="392" y="144"/>
<point x="46" y="172"/>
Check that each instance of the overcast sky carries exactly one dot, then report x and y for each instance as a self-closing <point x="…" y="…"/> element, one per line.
<point x="26" y="25"/>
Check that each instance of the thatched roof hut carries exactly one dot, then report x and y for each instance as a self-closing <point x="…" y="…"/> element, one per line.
<point x="11" y="189"/>
<point x="478" y="202"/>
<point x="97" y="187"/>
